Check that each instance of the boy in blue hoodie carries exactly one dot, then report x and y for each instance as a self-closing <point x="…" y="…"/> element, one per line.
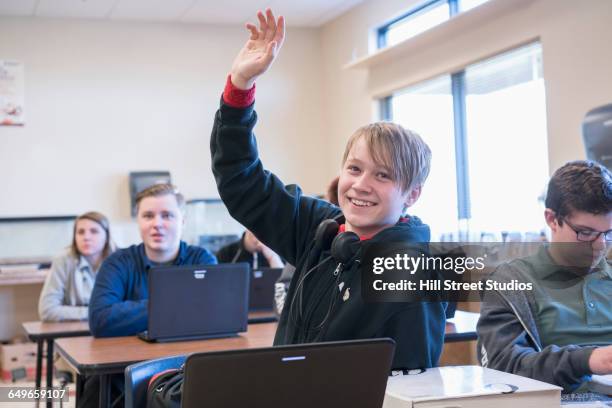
<point x="383" y="170"/>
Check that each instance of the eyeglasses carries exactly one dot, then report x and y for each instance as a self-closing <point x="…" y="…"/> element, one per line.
<point x="588" y="235"/>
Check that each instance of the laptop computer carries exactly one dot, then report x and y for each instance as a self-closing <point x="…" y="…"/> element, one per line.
<point x="197" y="302"/>
<point x="335" y="374"/>
<point x="261" y="296"/>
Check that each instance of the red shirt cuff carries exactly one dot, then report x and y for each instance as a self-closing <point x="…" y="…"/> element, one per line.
<point x="237" y="98"/>
<point x="342" y="228"/>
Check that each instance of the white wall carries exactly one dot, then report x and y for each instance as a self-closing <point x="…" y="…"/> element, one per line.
<point x="105" y="98"/>
<point x="577" y="59"/>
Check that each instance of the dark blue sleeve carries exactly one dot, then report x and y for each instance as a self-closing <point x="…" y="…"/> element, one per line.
<point x="281" y="217"/>
<point x="207" y="258"/>
<point x="110" y="313"/>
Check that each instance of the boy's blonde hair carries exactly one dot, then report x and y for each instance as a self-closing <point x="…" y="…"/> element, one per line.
<point x="161" y="189"/>
<point x="403" y="152"/>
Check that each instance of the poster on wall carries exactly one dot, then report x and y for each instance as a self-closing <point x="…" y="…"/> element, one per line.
<point x="11" y="94"/>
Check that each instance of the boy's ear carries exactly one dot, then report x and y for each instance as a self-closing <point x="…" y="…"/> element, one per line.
<point x="412" y="196"/>
<point x="551" y="219"/>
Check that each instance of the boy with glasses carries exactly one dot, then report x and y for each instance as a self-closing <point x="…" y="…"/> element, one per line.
<point x="561" y="331"/>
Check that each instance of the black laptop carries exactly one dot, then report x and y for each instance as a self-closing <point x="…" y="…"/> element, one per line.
<point x="336" y="374"/>
<point x="261" y="296"/>
<point x="197" y="302"/>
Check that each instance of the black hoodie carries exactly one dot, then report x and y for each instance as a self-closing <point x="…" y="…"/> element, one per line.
<point x="285" y="220"/>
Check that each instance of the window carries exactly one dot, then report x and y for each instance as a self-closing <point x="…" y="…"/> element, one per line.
<point x="486" y="126"/>
<point x="413" y="108"/>
<point x="506" y="130"/>
<point x="422" y="18"/>
<point x="465" y="5"/>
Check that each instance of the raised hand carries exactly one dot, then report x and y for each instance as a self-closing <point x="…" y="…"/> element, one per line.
<point x="259" y="51"/>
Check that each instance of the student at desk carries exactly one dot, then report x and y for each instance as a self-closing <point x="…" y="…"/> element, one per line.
<point x="118" y="304"/>
<point x="65" y="294"/>
<point x="561" y="331"/>
<point x="250" y="250"/>
<point x="383" y="170"/>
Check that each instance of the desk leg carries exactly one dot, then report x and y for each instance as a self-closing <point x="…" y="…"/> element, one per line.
<point x="80" y="380"/>
<point x="104" y="391"/>
<point x="39" y="355"/>
<point x="49" y="369"/>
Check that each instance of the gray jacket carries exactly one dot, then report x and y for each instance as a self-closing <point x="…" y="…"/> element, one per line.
<point x="508" y="338"/>
<point x="67" y="289"/>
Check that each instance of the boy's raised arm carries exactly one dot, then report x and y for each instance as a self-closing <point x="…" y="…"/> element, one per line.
<point x="259" y="51"/>
<point x="280" y="216"/>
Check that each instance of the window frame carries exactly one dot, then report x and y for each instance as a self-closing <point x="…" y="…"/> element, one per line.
<point x="381" y="32"/>
<point x="458" y="93"/>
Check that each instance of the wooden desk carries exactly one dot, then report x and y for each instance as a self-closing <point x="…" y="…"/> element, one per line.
<point x="105" y="356"/>
<point x="89" y="355"/>
<point x="462" y="327"/>
<point x="459" y="342"/>
<point x="263" y="316"/>
<point x="11" y="275"/>
<point x="41" y="331"/>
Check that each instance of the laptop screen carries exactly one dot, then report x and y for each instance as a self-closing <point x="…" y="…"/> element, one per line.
<point x="336" y="374"/>
<point x="262" y="288"/>
<point x="198" y="301"/>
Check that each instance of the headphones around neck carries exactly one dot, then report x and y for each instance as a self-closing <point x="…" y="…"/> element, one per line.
<point x="344" y="248"/>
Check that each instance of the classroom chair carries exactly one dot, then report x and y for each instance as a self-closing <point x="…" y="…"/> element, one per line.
<point x="137" y="378"/>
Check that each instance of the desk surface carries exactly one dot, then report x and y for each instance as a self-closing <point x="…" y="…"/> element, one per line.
<point x="89" y="355"/>
<point x="462" y="327"/>
<point x="23" y="277"/>
<point x="51" y="330"/>
<point x="262" y="316"/>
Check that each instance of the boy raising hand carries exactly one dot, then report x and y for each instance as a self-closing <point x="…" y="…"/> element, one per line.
<point x="383" y="169"/>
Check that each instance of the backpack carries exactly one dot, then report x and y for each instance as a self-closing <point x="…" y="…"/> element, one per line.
<point x="165" y="389"/>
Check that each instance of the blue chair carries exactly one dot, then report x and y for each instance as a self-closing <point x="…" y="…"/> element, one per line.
<point x="137" y="378"/>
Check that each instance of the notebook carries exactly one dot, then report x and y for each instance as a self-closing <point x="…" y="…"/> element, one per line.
<point x="335" y="374"/>
<point x="197" y="302"/>
<point x="468" y="386"/>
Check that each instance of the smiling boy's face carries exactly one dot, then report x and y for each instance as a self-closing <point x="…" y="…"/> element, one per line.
<point x="370" y="200"/>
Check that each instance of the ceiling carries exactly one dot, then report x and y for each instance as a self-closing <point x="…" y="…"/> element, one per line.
<point x="304" y="13"/>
